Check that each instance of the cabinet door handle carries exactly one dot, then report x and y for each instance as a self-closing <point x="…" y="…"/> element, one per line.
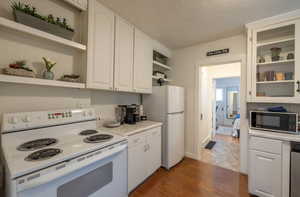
<point x="298" y="86"/>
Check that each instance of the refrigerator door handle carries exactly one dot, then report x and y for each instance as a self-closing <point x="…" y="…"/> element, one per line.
<point x="181" y="112"/>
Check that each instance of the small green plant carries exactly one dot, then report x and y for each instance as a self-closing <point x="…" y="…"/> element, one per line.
<point x="48" y="64"/>
<point x="30" y="10"/>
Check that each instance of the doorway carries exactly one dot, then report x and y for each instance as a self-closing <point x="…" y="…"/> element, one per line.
<point x="220" y="115"/>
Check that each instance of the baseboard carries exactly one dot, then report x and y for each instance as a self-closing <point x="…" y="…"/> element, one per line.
<point x="191" y="155"/>
<point x="205" y="141"/>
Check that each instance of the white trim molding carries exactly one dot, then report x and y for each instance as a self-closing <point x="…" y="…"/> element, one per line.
<point x="275" y="19"/>
<point x="191" y="155"/>
<point x="205" y="141"/>
<point x="244" y="132"/>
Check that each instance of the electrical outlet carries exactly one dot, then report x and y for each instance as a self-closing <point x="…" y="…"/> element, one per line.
<point x="98" y="115"/>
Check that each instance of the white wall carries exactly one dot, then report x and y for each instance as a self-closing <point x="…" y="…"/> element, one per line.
<point x="20" y="98"/>
<point x="17" y="46"/>
<point x="185" y="63"/>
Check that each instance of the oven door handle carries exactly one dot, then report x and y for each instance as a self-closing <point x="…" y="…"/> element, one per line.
<point x="70" y="167"/>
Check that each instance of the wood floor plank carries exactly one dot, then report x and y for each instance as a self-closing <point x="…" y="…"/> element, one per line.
<point x="193" y="178"/>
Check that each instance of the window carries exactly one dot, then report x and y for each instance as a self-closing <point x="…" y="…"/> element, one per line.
<point x="219" y="94"/>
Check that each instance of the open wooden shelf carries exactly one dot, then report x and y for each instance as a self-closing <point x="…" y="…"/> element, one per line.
<point x="37" y="81"/>
<point x="156" y="78"/>
<point x="41" y="34"/>
<point x="278" y="81"/>
<point x="161" y="65"/>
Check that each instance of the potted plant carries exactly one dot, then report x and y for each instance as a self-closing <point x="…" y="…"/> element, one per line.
<point x="48" y="74"/>
<point x="27" y="15"/>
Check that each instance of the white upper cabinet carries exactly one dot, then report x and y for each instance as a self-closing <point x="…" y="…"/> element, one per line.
<point x="124" y="47"/>
<point x="273" y="56"/>
<point x="100" y="58"/>
<point x="119" y="56"/>
<point x="143" y="53"/>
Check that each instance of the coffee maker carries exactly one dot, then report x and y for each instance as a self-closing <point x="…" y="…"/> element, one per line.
<point x="130" y="117"/>
<point x="129" y="114"/>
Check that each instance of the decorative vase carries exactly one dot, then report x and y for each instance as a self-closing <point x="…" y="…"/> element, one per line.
<point x="48" y="75"/>
<point x="275" y="53"/>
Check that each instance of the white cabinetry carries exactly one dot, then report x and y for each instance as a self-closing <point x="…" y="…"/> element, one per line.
<point x="143" y="54"/>
<point x="265" y="174"/>
<point x="266" y="167"/>
<point x="154" y="150"/>
<point x="136" y="163"/>
<point x="80" y="4"/>
<point x="274" y="77"/>
<point x="119" y="56"/>
<point x="124" y="46"/>
<point x="144" y="156"/>
<point x="100" y="57"/>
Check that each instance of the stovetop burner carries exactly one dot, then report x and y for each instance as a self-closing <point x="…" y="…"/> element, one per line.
<point x="88" y="132"/>
<point x="43" y="154"/>
<point x="98" y="138"/>
<point x="37" y="144"/>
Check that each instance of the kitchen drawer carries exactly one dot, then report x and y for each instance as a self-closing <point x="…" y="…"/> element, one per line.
<point x="137" y="139"/>
<point x="265" y="145"/>
<point x="155" y="131"/>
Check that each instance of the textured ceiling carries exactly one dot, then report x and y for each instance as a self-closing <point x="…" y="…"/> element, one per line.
<point x="181" y="23"/>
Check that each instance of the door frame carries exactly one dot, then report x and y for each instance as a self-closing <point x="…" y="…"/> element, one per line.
<point x="214" y="104"/>
<point x="243" y="95"/>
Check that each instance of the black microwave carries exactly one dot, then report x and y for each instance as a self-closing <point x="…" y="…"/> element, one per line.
<point x="274" y="121"/>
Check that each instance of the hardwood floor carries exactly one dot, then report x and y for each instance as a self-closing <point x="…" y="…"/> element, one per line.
<point x="193" y="178"/>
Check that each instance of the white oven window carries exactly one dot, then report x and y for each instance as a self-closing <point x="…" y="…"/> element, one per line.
<point x="87" y="184"/>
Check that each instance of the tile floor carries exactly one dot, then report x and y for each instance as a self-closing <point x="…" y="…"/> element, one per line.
<point x="225" y="154"/>
<point x="224" y="130"/>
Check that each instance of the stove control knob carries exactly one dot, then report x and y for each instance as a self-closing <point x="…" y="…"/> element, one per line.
<point x="90" y="113"/>
<point x="26" y="119"/>
<point x="13" y="120"/>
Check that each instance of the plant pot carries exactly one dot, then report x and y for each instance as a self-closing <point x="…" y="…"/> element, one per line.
<point x="48" y="75"/>
<point x="37" y="23"/>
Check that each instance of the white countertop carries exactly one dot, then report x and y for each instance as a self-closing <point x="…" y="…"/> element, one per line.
<point x="131" y="129"/>
<point x="274" y="135"/>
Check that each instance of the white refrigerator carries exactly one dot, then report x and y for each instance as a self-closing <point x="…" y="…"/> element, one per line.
<point x="166" y="104"/>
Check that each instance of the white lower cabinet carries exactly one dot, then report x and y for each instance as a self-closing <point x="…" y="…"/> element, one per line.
<point x="265" y="174"/>
<point x="144" y="156"/>
<point x="265" y="167"/>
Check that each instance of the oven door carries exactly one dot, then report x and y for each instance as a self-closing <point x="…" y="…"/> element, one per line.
<point x="94" y="175"/>
<point x="274" y="121"/>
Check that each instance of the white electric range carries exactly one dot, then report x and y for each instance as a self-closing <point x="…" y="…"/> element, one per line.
<point x="61" y="154"/>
